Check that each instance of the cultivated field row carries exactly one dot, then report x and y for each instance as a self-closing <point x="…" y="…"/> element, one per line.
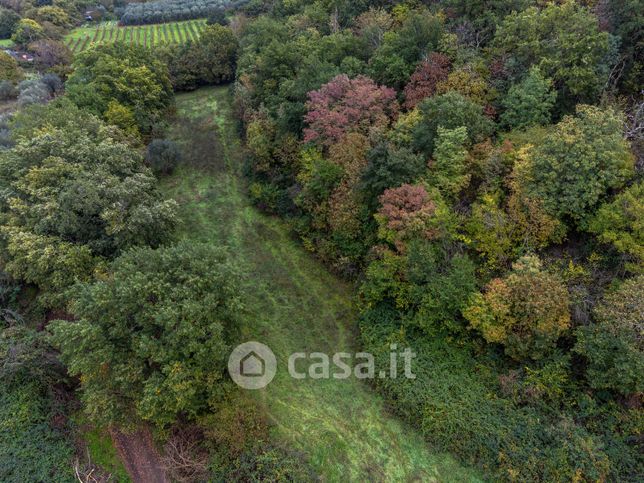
<point x="148" y="35"/>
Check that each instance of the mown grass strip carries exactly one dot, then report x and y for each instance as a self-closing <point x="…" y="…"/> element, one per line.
<point x="179" y="28"/>
<point x="188" y="32"/>
<point x="85" y="44"/>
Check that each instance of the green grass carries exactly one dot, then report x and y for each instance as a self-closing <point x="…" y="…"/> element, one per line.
<point x="342" y="426"/>
<point x="6" y="43"/>
<point x="86" y="37"/>
<point x="101" y="449"/>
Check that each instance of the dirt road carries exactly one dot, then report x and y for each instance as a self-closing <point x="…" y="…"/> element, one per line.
<point x="139" y="455"/>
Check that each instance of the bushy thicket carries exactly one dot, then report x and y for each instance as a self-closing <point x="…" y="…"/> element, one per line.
<point x="503" y="423"/>
<point x="34" y="445"/>
<point x="171" y="10"/>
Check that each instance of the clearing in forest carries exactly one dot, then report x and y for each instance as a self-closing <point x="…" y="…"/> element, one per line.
<point x="342" y="427"/>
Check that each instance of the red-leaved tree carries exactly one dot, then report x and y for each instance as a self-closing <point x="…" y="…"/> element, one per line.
<point x="406" y="212"/>
<point x="347" y="105"/>
<point x="423" y="81"/>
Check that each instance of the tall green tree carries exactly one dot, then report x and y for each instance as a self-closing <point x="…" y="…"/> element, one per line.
<point x="613" y="343"/>
<point x="74" y="194"/>
<point x="211" y="59"/>
<point x="448" y="169"/>
<point x="27" y="31"/>
<point x="128" y="74"/>
<point x="564" y="41"/>
<point x="450" y="111"/>
<point x="9" y="70"/>
<point x="621" y="223"/>
<point x="579" y="160"/>
<point x="526" y="311"/>
<point x="8" y="21"/>
<point x="150" y="340"/>
<point x="419" y="33"/>
<point x="529" y="102"/>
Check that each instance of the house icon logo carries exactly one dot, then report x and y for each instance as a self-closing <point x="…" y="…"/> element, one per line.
<point x="252" y="365"/>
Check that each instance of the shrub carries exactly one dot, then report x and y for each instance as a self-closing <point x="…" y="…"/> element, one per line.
<point x="613" y="343"/>
<point x="51" y="54"/>
<point x="7" y="91"/>
<point x="269" y="463"/>
<point x="9" y="70"/>
<point x="30" y="448"/>
<point x="33" y="446"/>
<point x="457" y="405"/>
<point x="53" y="83"/>
<point x="163" y="156"/>
<point x="27" y="31"/>
<point x="444" y="294"/>
<point x="33" y="91"/>
<point x="8" y="21"/>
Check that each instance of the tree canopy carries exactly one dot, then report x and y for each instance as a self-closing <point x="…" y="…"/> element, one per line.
<point x="578" y="161"/>
<point x="150" y="340"/>
<point x="74" y="193"/>
<point x="128" y="74"/>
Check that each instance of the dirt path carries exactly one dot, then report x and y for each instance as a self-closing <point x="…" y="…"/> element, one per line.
<point x="139" y="456"/>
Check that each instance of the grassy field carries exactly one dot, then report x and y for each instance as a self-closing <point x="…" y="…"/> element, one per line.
<point x="342" y="426"/>
<point x="82" y="38"/>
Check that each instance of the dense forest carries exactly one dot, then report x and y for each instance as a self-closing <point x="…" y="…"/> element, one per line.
<point x="471" y="170"/>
